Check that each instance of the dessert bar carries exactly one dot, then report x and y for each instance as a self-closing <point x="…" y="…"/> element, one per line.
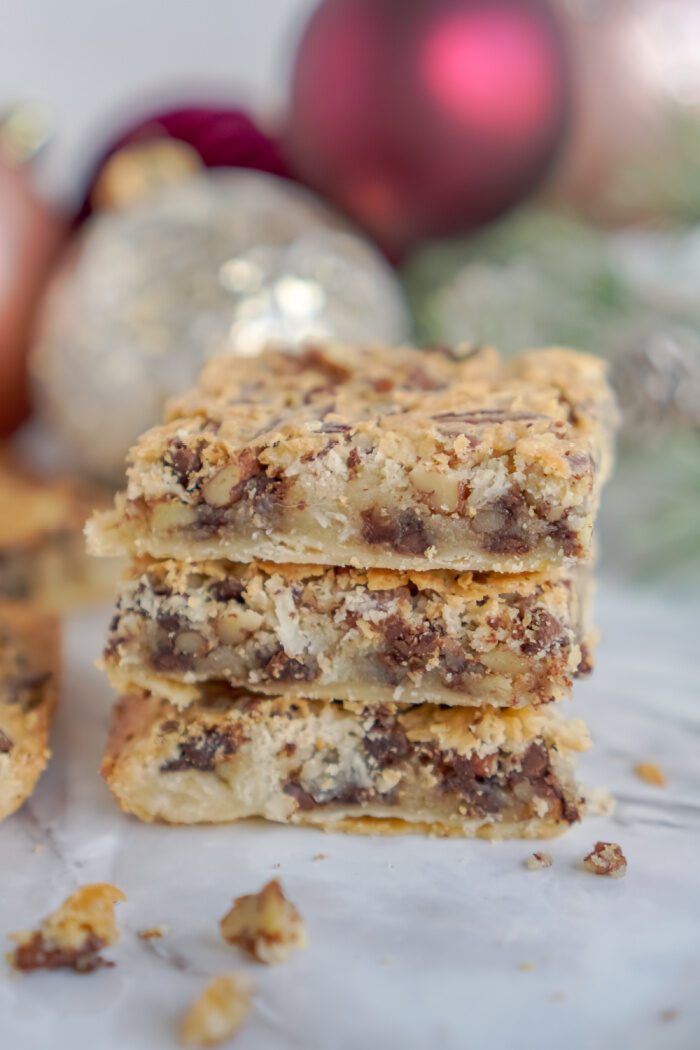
<point x="447" y="771"/>
<point x="372" y="636"/>
<point x="29" y="663"/>
<point x="375" y="458"/>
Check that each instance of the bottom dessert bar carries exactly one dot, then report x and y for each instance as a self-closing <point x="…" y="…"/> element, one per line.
<point x="29" y="659"/>
<point x="444" y="771"/>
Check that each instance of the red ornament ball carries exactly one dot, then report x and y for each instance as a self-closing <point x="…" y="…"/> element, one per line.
<point x="427" y="117"/>
<point x="30" y="235"/>
<point x="221" y="137"/>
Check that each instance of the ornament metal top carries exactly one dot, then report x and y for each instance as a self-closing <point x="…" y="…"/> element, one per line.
<point x="226" y="260"/>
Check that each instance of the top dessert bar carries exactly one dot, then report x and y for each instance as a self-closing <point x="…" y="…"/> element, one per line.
<point x="387" y="458"/>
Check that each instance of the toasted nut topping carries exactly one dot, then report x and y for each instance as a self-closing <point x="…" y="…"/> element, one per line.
<point x="441" y="490"/>
<point x="73" y="935"/>
<point x="265" y="924"/>
<point x="171" y="515"/>
<point x="217" y="491"/>
<point x="539" y="860"/>
<point x="235" y="626"/>
<point x="652" y="773"/>
<point x="606" y="858"/>
<point x="219" y="1013"/>
<point x="504" y="661"/>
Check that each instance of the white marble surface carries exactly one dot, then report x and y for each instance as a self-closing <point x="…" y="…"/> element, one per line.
<point x="414" y="943"/>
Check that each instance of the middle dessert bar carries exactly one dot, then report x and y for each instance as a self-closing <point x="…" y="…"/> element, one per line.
<point x="374" y="636"/>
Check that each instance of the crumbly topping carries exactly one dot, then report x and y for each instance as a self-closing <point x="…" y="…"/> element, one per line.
<point x="74" y="934"/>
<point x="153" y="933"/>
<point x="265" y="924"/>
<point x="219" y="1012"/>
<point x="651" y="773"/>
<point x="538" y="860"/>
<point x="606" y="858"/>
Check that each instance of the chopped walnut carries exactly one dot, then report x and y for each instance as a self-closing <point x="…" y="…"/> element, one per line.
<point x="606" y="858"/>
<point x="73" y="935"/>
<point x="652" y="773"/>
<point x="539" y="860"/>
<point x="153" y="933"/>
<point x="265" y="924"/>
<point x="219" y="1012"/>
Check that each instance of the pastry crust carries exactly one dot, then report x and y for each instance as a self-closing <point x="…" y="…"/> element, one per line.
<point x="374" y="457"/>
<point x="376" y="636"/>
<point x="29" y="669"/>
<point x="448" y="771"/>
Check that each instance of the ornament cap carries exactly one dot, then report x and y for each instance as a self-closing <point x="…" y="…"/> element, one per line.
<point x="140" y="169"/>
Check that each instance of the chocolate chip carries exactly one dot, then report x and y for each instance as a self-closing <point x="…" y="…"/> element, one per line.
<point x="6" y="744"/>
<point x="408" y="646"/>
<point x="565" y="537"/>
<point x="36" y="955"/>
<point x="508" y="539"/>
<point x="266" y="494"/>
<point x="183" y="461"/>
<point x="386" y="741"/>
<point x="545" y="631"/>
<point x="284" y="668"/>
<point x="304" y="800"/>
<point x="403" y="531"/>
<point x="227" y="590"/>
<point x="206" y="751"/>
<point x="353" y="460"/>
<point x="457" y="667"/>
<point x="535" y="761"/>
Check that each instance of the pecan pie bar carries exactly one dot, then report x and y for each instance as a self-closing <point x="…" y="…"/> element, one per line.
<point x="447" y="771"/>
<point x="42" y="548"/>
<point x="29" y="661"/>
<point x="372" y="636"/>
<point x="376" y="457"/>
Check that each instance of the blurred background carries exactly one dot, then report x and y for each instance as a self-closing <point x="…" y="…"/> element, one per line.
<point x="185" y="179"/>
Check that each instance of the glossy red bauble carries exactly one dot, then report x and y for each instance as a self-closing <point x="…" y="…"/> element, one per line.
<point x="426" y="117"/>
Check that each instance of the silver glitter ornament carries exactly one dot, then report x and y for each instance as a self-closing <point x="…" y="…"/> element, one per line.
<point x="226" y="260"/>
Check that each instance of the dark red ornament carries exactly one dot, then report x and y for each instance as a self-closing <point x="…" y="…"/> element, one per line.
<point x="222" y="137"/>
<point x="427" y="117"/>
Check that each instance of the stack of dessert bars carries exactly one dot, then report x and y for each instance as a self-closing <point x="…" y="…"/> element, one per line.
<point x="357" y="590"/>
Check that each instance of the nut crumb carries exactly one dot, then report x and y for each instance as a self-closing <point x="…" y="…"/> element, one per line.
<point x="526" y="967"/>
<point x="539" y="860"/>
<point x="265" y="924"/>
<point x="219" y="1012"/>
<point x="606" y="858"/>
<point x="38" y="847"/>
<point x="319" y="856"/>
<point x="651" y="773"/>
<point x="72" y="936"/>
<point x="153" y="933"/>
<point x="669" y="1014"/>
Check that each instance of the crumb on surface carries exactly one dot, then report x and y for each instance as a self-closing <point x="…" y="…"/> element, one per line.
<point x="319" y="856"/>
<point x="538" y="860"/>
<point x="558" y="997"/>
<point x="219" y="1012"/>
<point x="669" y="1014"/>
<point x="651" y="773"/>
<point x="265" y="924"/>
<point x="38" y="847"/>
<point x="153" y="933"/>
<point x="526" y="967"/>
<point x="73" y="935"/>
<point x="606" y="858"/>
